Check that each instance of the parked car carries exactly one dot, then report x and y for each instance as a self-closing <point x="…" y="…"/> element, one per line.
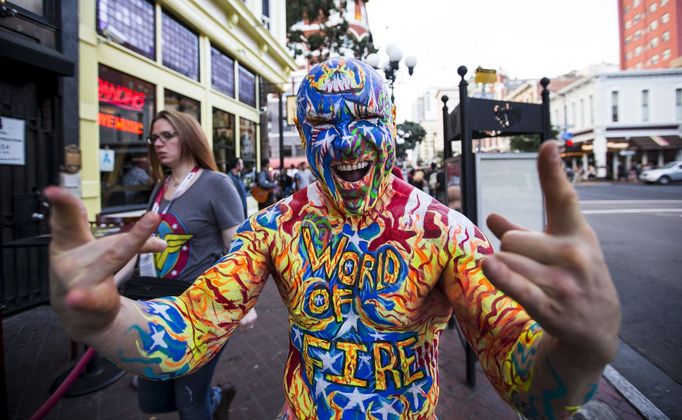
<point x="664" y="175"/>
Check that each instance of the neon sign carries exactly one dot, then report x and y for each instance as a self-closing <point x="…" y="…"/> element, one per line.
<point x="120" y="96"/>
<point x="120" y="124"/>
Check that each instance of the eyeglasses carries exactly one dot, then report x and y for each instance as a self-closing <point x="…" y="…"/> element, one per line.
<point x="164" y="136"/>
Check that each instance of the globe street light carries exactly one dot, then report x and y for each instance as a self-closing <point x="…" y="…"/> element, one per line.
<point x="392" y="66"/>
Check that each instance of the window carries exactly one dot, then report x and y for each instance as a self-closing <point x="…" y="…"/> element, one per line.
<point x="638" y="34"/>
<point x="627" y="26"/>
<point x="177" y="102"/>
<point x="628" y="55"/>
<point x="653" y="25"/>
<point x="654" y="42"/>
<point x="266" y="8"/>
<point x="591" y="110"/>
<point x="664" y="2"/>
<point x="223" y="138"/>
<point x="645" y="105"/>
<point x="665" y="18"/>
<point x="222" y="72"/>
<point x="655" y="59"/>
<point x="635" y="3"/>
<point x="247" y="87"/>
<point x="33" y="6"/>
<point x="614" y="106"/>
<point x="126" y="109"/>
<point x="652" y="7"/>
<point x="678" y="104"/>
<point x="666" y="54"/>
<point x="666" y="36"/>
<point x="180" y="47"/>
<point x="247" y="142"/>
<point x="573" y="118"/>
<point x="582" y="112"/>
<point x="638" y="51"/>
<point x="130" y="23"/>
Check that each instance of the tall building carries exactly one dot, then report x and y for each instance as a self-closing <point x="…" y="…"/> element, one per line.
<point x="621" y="119"/>
<point x="650" y="34"/>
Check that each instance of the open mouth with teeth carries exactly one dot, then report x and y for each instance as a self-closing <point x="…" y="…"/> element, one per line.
<point x="352" y="172"/>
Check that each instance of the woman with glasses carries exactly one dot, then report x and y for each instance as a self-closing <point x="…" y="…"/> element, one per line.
<point x="200" y="211"/>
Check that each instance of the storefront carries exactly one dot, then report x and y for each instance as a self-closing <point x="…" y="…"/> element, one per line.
<point x="38" y="126"/>
<point x="198" y="58"/>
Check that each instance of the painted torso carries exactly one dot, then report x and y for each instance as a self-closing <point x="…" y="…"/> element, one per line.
<point x="365" y="307"/>
<point x="367" y="299"/>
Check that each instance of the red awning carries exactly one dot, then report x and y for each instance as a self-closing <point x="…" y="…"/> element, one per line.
<point x="288" y="161"/>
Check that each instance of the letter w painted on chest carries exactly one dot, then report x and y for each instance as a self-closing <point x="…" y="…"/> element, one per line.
<point x="350" y="267"/>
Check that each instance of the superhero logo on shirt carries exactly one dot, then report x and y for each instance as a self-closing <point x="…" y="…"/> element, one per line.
<point x="170" y="263"/>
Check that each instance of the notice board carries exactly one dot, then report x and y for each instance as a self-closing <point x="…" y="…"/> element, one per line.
<point x="508" y="184"/>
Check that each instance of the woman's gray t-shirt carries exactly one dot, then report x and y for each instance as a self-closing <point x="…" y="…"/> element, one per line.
<point x="193" y="227"/>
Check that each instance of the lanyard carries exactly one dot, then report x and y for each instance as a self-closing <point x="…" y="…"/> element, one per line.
<point x="181" y="188"/>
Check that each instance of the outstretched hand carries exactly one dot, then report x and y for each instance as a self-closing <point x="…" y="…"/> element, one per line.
<point x="559" y="276"/>
<point x="81" y="268"/>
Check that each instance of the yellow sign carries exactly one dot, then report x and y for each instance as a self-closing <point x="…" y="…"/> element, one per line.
<point x="485" y="75"/>
<point x="291" y="109"/>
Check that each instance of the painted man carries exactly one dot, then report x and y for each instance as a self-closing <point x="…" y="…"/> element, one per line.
<point x="370" y="270"/>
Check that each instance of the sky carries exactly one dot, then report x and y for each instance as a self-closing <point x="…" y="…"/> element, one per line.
<point x="525" y="38"/>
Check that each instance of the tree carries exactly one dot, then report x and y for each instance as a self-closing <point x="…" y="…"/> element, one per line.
<point x="331" y="34"/>
<point x="524" y="143"/>
<point x="409" y="134"/>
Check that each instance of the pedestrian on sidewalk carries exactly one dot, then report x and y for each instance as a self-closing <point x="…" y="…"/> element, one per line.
<point x="200" y="210"/>
<point x="371" y="270"/>
<point x="235" y="169"/>
<point x="266" y="183"/>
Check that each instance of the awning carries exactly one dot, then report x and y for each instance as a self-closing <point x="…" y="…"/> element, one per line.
<point x="288" y="161"/>
<point x="656" y="142"/>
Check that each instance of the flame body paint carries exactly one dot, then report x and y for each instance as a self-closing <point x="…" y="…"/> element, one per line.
<point x="370" y="274"/>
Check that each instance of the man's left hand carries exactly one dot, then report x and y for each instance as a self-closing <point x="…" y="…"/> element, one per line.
<point x="559" y="276"/>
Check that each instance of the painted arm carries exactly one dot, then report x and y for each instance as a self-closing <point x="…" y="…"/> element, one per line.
<point x="546" y="356"/>
<point x="162" y="337"/>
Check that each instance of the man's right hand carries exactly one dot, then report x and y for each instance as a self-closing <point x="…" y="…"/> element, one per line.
<point x="82" y="288"/>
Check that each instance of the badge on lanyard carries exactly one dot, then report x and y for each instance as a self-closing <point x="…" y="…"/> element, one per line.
<point x="146" y="266"/>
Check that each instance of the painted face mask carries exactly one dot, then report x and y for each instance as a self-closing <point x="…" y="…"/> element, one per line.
<point x="346" y="121"/>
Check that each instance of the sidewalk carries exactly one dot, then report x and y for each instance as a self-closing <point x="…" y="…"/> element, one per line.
<point x="37" y="351"/>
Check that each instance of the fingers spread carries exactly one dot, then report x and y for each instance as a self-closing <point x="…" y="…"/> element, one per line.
<point x="513" y="284"/>
<point x="126" y="246"/>
<point x="561" y="199"/>
<point x="499" y="225"/>
<point x="102" y="298"/>
<point x="556" y="283"/>
<point x="538" y="246"/>
<point x="154" y="244"/>
<point x="69" y="221"/>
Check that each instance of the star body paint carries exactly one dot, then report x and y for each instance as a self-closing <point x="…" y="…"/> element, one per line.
<point x="367" y="302"/>
<point x="370" y="274"/>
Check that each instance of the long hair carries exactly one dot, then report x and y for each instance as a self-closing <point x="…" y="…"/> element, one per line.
<point x="193" y="142"/>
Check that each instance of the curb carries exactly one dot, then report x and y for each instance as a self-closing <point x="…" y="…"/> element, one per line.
<point x="645" y="407"/>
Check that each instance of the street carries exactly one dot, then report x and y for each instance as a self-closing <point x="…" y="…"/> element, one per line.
<point x="640" y="229"/>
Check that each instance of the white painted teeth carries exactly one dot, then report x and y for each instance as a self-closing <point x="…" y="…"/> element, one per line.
<point x="354" y="167"/>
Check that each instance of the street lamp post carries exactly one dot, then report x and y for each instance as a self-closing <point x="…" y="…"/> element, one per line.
<point x="392" y="66"/>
